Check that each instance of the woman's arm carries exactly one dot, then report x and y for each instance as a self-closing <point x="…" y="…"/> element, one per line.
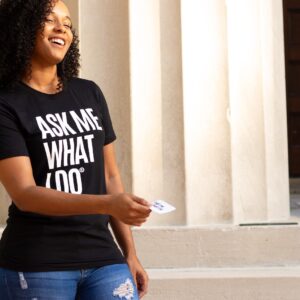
<point x="122" y="231"/>
<point x="17" y="177"/>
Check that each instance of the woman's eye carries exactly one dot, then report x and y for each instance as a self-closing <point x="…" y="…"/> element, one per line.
<point x="68" y="26"/>
<point x="49" y="20"/>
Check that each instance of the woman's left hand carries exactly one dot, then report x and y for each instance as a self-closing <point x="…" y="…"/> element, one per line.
<point x="139" y="274"/>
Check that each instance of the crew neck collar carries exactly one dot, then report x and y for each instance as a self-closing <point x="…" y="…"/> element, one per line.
<point x="37" y="92"/>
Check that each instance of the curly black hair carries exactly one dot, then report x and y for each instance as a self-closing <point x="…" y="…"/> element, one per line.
<point x="20" y="22"/>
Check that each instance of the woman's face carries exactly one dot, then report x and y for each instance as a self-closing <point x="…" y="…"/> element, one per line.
<point x="54" y="41"/>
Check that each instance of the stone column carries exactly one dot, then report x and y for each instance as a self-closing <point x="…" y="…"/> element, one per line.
<point x="206" y="129"/>
<point x="172" y="110"/>
<point x="104" y="44"/>
<point x="258" y="111"/>
<point x="146" y="99"/>
<point x="156" y="102"/>
<point x="274" y="93"/>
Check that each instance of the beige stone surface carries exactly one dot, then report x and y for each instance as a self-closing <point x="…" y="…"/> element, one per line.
<point x="205" y="100"/>
<point x="218" y="246"/>
<point x="146" y="99"/>
<point x="247" y="115"/>
<point x="157" y="109"/>
<point x="172" y="111"/>
<point x="258" y="115"/>
<point x="275" y="117"/>
<point x="220" y="284"/>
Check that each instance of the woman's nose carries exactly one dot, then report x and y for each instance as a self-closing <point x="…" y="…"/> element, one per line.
<point x="59" y="27"/>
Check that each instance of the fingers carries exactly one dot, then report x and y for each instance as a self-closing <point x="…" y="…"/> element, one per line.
<point x="131" y="209"/>
<point x="142" y="210"/>
<point x="142" y="285"/>
<point x="141" y="201"/>
<point x="142" y="294"/>
<point x="142" y="290"/>
<point x="134" y="275"/>
<point x="139" y="218"/>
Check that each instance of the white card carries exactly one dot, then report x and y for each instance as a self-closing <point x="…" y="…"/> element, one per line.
<point x="161" y="207"/>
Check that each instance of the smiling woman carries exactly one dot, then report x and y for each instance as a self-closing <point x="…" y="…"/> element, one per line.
<point x="58" y="165"/>
<point x="32" y="40"/>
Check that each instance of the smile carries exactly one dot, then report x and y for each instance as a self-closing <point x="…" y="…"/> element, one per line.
<point x="57" y="41"/>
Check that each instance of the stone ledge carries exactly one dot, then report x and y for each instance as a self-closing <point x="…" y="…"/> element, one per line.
<point x="272" y="283"/>
<point x="218" y="246"/>
<point x="254" y="272"/>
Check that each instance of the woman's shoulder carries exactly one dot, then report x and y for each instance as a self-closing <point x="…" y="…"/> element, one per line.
<point x="87" y="88"/>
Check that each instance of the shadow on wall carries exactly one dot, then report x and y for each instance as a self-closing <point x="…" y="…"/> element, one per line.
<point x="5" y="202"/>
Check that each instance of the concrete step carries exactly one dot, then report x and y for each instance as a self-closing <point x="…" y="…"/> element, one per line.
<point x="218" y="246"/>
<point x="267" y="283"/>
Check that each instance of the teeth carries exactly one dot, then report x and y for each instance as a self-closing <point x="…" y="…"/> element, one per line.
<point x="59" y="41"/>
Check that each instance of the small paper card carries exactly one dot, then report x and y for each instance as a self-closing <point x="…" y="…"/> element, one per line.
<point x="161" y="207"/>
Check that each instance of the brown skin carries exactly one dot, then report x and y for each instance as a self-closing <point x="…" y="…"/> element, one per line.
<point x="122" y="231"/>
<point x="16" y="172"/>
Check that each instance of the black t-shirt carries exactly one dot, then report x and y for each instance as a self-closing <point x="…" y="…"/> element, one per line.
<point x="63" y="134"/>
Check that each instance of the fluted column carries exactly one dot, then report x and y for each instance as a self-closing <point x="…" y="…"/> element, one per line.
<point x="146" y="99"/>
<point x="156" y="102"/>
<point x="206" y="129"/>
<point x="258" y="111"/>
<point x="172" y="110"/>
<point x="274" y="93"/>
<point x="104" y="45"/>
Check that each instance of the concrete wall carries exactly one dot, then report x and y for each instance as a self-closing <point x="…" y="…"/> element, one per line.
<point x="196" y="91"/>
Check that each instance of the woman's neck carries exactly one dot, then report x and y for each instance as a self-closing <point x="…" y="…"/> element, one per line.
<point x="43" y="79"/>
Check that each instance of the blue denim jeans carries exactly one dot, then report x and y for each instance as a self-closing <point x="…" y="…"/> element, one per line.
<point x="112" y="282"/>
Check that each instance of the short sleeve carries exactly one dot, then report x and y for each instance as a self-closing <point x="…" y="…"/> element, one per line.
<point x="12" y="142"/>
<point x="110" y="135"/>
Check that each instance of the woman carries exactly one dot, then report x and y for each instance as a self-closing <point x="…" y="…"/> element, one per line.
<point x="58" y="165"/>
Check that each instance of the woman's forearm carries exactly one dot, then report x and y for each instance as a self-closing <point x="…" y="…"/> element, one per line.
<point x="51" y="202"/>
<point x="124" y="237"/>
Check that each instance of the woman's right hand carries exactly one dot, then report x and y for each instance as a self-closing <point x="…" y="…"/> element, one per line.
<point x="129" y="209"/>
